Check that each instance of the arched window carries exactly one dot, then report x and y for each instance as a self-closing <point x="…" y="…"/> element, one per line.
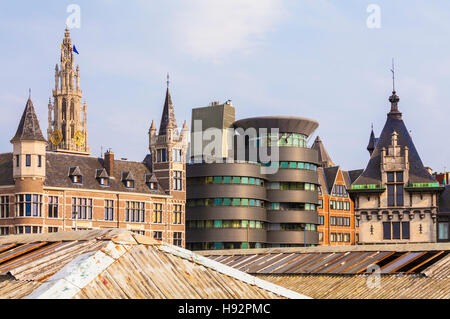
<point x="64" y="109"/>
<point x="72" y="110"/>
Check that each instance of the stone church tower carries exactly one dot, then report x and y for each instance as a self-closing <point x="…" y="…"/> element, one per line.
<point x="67" y="130"/>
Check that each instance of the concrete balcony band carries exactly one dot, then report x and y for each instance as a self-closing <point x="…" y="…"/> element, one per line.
<point x="226" y="213"/>
<point x="292" y="196"/>
<point x="226" y="191"/>
<point x="224" y="169"/>
<point x="293" y="175"/>
<point x="292" y="216"/>
<point x="292" y="237"/>
<point x="226" y="235"/>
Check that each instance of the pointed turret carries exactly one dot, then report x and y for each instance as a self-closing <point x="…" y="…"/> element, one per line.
<point x="372" y="142"/>
<point x="168" y="121"/>
<point x="29" y="150"/>
<point x="324" y="158"/>
<point x="28" y="129"/>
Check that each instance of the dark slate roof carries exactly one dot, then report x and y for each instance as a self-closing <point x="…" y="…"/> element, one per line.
<point x="324" y="157"/>
<point x="372" y="142"/>
<point x="151" y="178"/>
<point x="28" y="129"/>
<point x="168" y="116"/>
<point x="58" y="166"/>
<point x="6" y="169"/>
<point x="354" y="174"/>
<point x="444" y="200"/>
<point x="101" y="173"/>
<point x="127" y="176"/>
<point x="417" y="172"/>
<point x="346" y="178"/>
<point x="330" y="174"/>
<point x="75" y="171"/>
<point x="322" y="182"/>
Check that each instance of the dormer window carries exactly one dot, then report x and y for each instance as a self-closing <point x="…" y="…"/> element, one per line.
<point x="75" y="175"/>
<point x="128" y="179"/>
<point x="152" y="182"/>
<point x="77" y="179"/>
<point x="102" y="177"/>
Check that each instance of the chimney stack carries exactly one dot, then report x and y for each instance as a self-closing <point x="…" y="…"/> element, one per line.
<point x="109" y="162"/>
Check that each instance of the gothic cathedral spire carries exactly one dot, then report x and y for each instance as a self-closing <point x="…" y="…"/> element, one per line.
<point x="67" y="131"/>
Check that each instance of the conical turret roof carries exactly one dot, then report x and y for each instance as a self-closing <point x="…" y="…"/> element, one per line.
<point x="324" y="157"/>
<point x="394" y="123"/>
<point x="28" y="129"/>
<point x="168" y="120"/>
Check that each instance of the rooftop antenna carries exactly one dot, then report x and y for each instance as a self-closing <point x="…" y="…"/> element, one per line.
<point x="29" y="93"/>
<point x="393" y="75"/>
<point x="168" y="80"/>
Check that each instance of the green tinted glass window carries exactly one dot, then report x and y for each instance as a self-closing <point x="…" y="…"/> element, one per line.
<point x="227" y="179"/>
<point x="236" y="180"/>
<point x="252" y="181"/>
<point x="226" y="201"/>
<point x="244" y="223"/>
<point x="284" y="165"/>
<point x="257" y="181"/>
<point x="217" y="179"/>
<point x="244" y="180"/>
<point x="227" y="224"/>
<point x="236" y="201"/>
<point x="217" y="201"/>
<point x="252" y="224"/>
<point x="251" y="203"/>
<point x="217" y="224"/>
<point x="301" y="165"/>
<point x="244" y="202"/>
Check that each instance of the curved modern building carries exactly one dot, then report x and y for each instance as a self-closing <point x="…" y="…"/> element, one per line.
<point x="240" y="205"/>
<point x="292" y="191"/>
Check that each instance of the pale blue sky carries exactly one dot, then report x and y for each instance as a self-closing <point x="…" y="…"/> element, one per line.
<point x="310" y="58"/>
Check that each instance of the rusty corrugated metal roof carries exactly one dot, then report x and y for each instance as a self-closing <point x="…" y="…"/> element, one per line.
<point x="364" y="287"/>
<point x="340" y="262"/>
<point x="118" y="264"/>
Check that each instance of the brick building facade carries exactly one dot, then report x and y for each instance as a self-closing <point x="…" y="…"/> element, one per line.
<point x="337" y="223"/>
<point x="55" y="185"/>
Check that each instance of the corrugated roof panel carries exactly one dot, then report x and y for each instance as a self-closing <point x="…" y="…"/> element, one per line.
<point x="275" y="267"/>
<point x="316" y="268"/>
<point x="345" y="262"/>
<point x="297" y="260"/>
<point x="372" y="258"/>
<point x="146" y="272"/>
<point x="400" y="262"/>
<point x="314" y="258"/>
<point x="266" y="262"/>
<point x="356" y="286"/>
<point x="19" y="250"/>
